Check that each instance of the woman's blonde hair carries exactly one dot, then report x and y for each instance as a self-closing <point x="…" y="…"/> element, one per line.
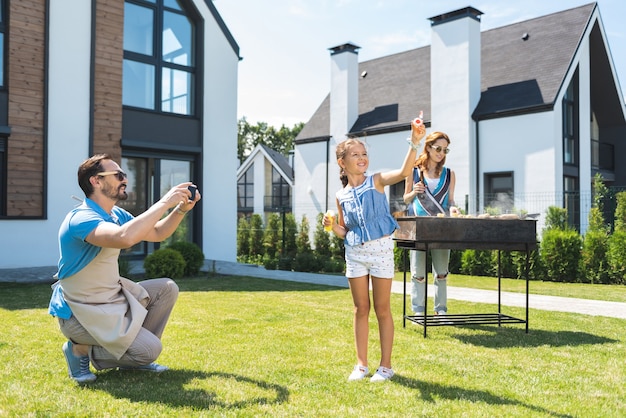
<point x="423" y="157"/>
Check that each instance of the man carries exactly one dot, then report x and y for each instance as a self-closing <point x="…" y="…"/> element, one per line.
<point x="108" y="319"/>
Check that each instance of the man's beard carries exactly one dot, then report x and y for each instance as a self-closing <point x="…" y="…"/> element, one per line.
<point x="115" y="194"/>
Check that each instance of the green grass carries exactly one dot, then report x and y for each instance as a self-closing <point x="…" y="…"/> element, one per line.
<point x="243" y="347"/>
<point x="613" y="293"/>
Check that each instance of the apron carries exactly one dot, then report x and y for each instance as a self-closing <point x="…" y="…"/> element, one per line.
<point x="430" y="202"/>
<point x="110" y="307"/>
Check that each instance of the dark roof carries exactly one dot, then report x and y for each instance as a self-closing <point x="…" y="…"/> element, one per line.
<point x="517" y="75"/>
<point x="280" y="160"/>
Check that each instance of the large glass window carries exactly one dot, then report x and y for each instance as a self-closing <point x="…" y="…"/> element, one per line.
<point x="2" y="30"/>
<point x="148" y="180"/>
<point x="159" y="59"/>
<point x="281" y="192"/>
<point x="570" y="123"/>
<point x="245" y="191"/>
<point x="571" y="201"/>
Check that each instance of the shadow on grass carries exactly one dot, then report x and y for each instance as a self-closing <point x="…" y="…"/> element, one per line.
<point x="430" y="392"/>
<point x="190" y="389"/>
<point x="507" y="337"/>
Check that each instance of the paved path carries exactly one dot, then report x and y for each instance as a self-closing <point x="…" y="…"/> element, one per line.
<point x="549" y="303"/>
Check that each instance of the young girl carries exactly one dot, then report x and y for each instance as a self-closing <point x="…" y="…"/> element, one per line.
<point x="366" y="225"/>
<point x="429" y="191"/>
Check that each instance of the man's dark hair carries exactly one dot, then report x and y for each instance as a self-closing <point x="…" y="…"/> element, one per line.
<point x="89" y="168"/>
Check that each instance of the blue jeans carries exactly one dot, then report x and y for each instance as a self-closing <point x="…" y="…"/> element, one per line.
<point x="440" y="260"/>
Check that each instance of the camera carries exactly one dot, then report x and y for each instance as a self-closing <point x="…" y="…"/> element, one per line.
<point x="192" y="189"/>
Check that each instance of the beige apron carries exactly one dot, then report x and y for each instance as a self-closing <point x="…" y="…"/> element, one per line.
<point x="110" y="307"/>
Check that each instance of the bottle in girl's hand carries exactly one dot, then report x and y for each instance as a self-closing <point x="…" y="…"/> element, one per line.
<point x="418" y="120"/>
<point x="330" y="214"/>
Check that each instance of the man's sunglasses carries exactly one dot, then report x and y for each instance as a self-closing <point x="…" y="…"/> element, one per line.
<point x="121" y="176"/>
<point x="439" y="148"/>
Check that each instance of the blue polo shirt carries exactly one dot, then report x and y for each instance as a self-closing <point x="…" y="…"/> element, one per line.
<point x="75" y="252"/>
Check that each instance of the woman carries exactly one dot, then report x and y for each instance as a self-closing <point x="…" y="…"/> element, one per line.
<point x="429" y="191"/>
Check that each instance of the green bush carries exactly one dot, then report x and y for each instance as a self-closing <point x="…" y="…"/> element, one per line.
<point x="271" y="241"/>
<point x="594" y="257"/>
<point x="243" y="238"/>
<point x="507" y="265"/>
<point x="616" y="257"/>
<point x="334" y="265"/>
<point x="285" y="263"/>
<point x="164" y="262"/>
<point x="270" y="263"/>
<point x="560" y="254"/>
<point x="477" y="263"/>
<point x="535" y="268"/>
<point x="306" y="262"/>
<point x="192" y="254"/>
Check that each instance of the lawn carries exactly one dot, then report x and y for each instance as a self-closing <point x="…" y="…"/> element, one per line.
<point x="241" y="346"/>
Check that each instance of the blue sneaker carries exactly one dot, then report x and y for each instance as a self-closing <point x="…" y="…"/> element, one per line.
<point x="77" y="366"/>
<point x="152" y="367"/>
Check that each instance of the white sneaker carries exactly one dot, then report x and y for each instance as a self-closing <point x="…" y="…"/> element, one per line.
<point x="359" y="373"/>
<point x="382" y="374"/>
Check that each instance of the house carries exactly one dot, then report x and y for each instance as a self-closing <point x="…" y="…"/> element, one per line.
<point x="264" y="183"/>
<point x="153" y="83"/>
<point x="533" y="110"/>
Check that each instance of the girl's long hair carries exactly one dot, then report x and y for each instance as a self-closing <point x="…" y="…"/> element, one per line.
<point x="423" y="157"/>
<point x="341" y="150"/>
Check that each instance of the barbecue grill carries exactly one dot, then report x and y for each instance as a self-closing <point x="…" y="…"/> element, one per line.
<point x="460" y="233"/>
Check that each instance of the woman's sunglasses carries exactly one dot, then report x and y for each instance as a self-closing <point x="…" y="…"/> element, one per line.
<point x="439" y="148"/>
<point x="121" y="176"/>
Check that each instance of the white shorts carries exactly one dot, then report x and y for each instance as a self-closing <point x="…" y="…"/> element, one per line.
<point x="372" y="257"/>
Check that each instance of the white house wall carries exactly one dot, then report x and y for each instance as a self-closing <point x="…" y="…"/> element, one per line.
<point x="219" y="206"/>
<point x="34" y="243"/>
<point x="309" y="192"/>
<point x="524" y="145"/>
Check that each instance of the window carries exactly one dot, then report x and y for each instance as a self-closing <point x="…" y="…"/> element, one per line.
<point x="281" y="193"/>
<point x="396" y="200"/>
<point x="159" y="59"/>
<point x="148" y="180"/>
<point x="245" y="191"/>
<point x="499" y="191"/>
<point x="2" y="31"/>
<point x="570" y="122"/>
<point x="571" y="201"/>
<point x="3" y="176"/>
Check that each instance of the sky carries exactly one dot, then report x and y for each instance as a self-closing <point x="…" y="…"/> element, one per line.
<point x="284" y="73"/>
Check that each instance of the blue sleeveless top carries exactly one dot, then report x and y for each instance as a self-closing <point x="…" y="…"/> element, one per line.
<point x="365" y="213"/>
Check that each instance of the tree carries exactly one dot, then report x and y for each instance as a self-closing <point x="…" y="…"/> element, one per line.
<point x="249" y="136"/>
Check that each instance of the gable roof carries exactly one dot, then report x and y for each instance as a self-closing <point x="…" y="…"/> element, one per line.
<point x="517" y="75"/>
<point x="278" y="160"/>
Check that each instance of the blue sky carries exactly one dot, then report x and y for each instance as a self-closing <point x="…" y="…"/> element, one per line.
<point x="285" y="71"/>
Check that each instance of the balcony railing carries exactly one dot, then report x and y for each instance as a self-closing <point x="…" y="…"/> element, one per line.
<point x="277" y="203"/>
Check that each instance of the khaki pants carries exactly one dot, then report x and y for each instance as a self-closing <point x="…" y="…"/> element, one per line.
<point x="147" y="346"/>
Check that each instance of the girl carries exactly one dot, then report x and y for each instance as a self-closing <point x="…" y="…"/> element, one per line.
<point x="366" y="225"/>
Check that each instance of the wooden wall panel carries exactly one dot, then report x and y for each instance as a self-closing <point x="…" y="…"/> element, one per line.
<point x="109" y="54"/>
<point x="25" y="71"/>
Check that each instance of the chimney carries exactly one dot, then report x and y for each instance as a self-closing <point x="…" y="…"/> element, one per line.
<point x="455" y="91"/>
<point x="344" y="90"/>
